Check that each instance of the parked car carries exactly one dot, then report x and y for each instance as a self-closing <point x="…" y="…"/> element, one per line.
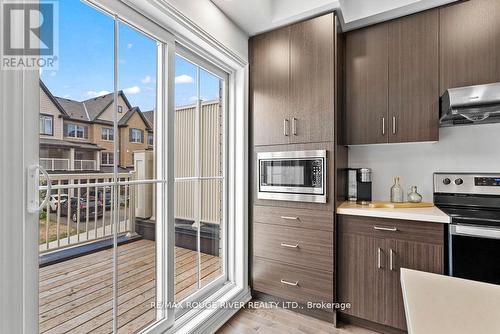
<point x="100" y="196"/>
<point x="83" y="205"/>
<point x="56" y="200"/>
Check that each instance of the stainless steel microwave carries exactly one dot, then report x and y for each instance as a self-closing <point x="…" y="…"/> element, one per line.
<point x="293" y="176"/>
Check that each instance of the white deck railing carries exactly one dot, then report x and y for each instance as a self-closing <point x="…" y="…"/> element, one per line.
<point x="85" y="165"/>
<point x="57" y="164"/>
<point x="69" y="225"/>
<point x="54" y="164"/>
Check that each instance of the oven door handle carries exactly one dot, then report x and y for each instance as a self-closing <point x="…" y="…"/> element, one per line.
<point x="475" y="231"/>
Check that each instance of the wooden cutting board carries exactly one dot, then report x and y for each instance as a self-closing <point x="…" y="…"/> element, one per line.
<point x="406" y="205"/>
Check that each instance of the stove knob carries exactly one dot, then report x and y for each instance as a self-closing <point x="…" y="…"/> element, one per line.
<point x="446" y="181"/>
<point x="459" y="182"/>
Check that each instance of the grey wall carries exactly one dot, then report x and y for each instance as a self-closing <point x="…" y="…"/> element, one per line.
<point x="467" y="149"/>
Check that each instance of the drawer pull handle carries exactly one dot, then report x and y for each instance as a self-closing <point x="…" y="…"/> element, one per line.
<point x="289" y="218"/>
<point x="296" y="283"/>
<point x="379" y="258"/>
<point x="283" y="244"/>
<point x="390" y="229"/>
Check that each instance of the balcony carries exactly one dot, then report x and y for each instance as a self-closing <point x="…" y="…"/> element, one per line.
<point x="55" y="164"/>
<point x="63" y="165"/>
<point x="76" y="295"/>
<point x="76" y="270"/>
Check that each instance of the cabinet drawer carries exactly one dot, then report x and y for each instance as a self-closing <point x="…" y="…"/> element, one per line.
<point x="392" y="228"/>
<point x="311" y="219"/>
<point x="302" y="247"/>
<point x="292" y="283"/>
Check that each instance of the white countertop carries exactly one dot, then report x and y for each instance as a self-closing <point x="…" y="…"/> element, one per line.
<point x="448" y="305"/>
<point x="430" y="214"/>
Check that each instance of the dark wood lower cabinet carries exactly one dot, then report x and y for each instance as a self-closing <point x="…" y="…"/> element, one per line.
<point x="370" y="262"/>
<point x="360" y="282"/>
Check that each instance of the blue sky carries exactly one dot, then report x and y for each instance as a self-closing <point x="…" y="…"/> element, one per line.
<point x="86" y="61"/>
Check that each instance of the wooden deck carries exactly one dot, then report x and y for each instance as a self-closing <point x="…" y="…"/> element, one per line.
<point x="76" y="295"/>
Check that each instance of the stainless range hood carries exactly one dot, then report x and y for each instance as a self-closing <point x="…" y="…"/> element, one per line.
<point x="471" y="105"/>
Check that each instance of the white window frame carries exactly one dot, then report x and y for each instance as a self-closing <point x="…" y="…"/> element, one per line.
<point x="43" y="119"/>
<point x="133" y="132"/>
<point x="143" y="14"/>
<point x="105" y="162"/>
<point x="107" y="134"/>
<point x="219" y="282"/>
<point x="77" y="128"/>
<point x="19" y="313"/>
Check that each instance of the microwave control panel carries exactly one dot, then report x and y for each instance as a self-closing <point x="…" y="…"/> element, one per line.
<point x="317" y="173"/>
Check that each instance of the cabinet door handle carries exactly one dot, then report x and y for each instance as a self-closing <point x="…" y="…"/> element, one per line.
<point x="289" y="283"/>
<point x="294" y="126"/>
<point x="383" y="126"/>
<point x="393" y="125"/>
<point x="285" y="127"/>
<point x="289" y="218"/>
<point x="284" y="244"/>
<point x="389" y="229"/>
<point x="379" y="258"/>
<point x="391" y="259"/>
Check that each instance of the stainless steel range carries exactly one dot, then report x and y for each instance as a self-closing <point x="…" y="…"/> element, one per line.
<point x="473" y="202"/>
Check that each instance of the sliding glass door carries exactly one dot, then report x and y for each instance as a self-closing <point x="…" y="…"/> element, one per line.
<point x="133" y="155"/>
<point x="199" y="175"/>
<point x="105" y="245"/>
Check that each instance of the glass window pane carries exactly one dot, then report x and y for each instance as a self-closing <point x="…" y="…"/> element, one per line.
<point x="136" y="160"/>
<point x="186" y="186"/>
<point x="76" y="290"/>
<point x="212" y="169"/>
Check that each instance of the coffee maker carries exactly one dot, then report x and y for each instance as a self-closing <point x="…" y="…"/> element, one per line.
<point x="359" y="185"/>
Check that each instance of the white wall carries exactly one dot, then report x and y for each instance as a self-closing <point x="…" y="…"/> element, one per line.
<point x="468" y="149"/>
<point x="211" y="19"/>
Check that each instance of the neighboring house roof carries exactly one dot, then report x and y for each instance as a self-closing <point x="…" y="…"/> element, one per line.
<point x="74" y="109"/>
<point x="68" y="144"/>
<point x="52" y="98"/>
<point x="150" y="116"/>
<point x="97" y="105"/>
<point x="89" y="110"/>
<point x="124" y="120"/>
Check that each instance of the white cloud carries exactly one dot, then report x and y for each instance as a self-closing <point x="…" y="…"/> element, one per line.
<point x="132" y="90"/>
<point x="184" y="79"/>
<point x="130" y="45"/>
<point x="67" y="96"/>
<point x="147" y="79"/>
<point x="93" y="94"/>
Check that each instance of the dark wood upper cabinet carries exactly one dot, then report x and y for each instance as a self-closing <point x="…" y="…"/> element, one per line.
<point x="392" y="81"/>
<point x="469" y="43"/>
<point x="292" y="83"/>
<point x="269" y="94"/>
<point x="414" y="78"/>
<point x="312" y="81"/>
<point x="367" y="85"/>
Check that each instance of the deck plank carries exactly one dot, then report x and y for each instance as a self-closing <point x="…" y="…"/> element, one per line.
<point x="76" y="295"/>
